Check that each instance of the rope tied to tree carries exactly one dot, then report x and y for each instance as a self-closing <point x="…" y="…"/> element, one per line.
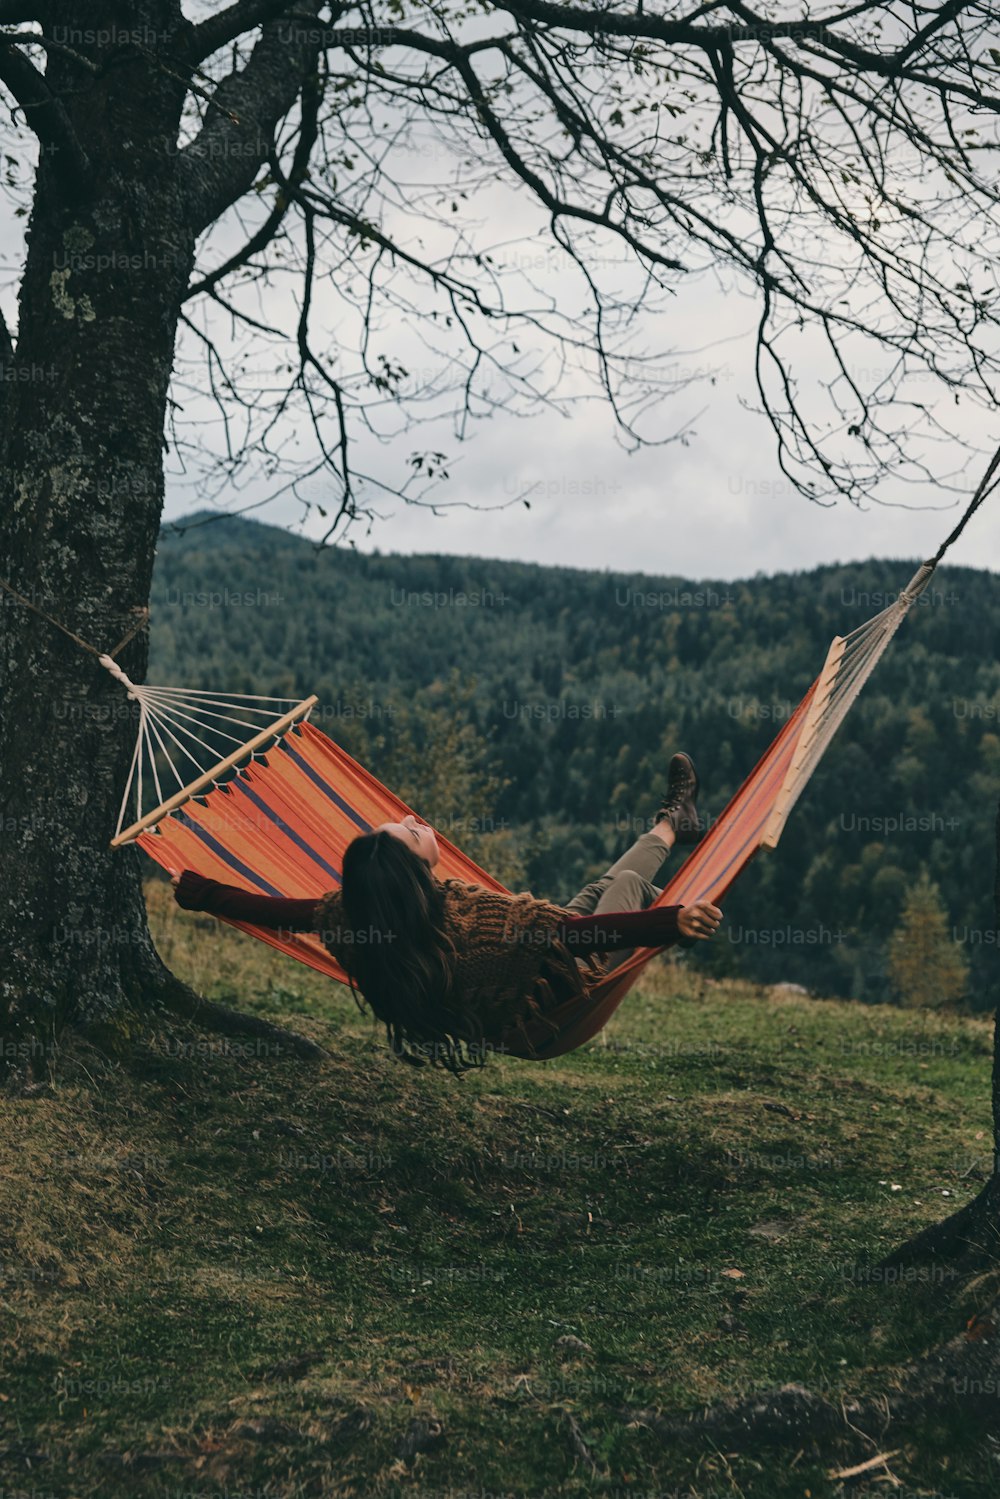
<point x="141" y="610"/>
<point x="119" y="676"/>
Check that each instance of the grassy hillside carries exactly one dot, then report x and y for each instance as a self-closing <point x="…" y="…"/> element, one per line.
<point x="583" y="684"/>
<point x="230" y="1273"/>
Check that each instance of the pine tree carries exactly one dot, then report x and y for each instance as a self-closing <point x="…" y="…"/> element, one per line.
<point x="438" y="762"/>
<point x="925" y="966"/>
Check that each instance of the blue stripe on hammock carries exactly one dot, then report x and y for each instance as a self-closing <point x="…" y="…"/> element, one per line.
<point x="226" y="856"/>
<point x="289" y="832"/>
<point x="327" y="790"/>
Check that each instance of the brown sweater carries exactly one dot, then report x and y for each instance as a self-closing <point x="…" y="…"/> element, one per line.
<point x="515" y="954"/>
<point x="512" y="963"/>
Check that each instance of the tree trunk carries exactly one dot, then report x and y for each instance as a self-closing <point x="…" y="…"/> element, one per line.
<point x="81" y="440"/>
<point x="972" y="1234"/>
<point x="82" y="434"/>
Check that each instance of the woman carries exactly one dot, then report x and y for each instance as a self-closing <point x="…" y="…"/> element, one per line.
<point x="455" y="971"/>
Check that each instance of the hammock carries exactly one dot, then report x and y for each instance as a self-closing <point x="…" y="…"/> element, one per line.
<point x="275" y="815"/>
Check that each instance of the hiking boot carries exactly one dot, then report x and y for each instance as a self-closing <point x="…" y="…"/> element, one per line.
<point x="678" y="807"/>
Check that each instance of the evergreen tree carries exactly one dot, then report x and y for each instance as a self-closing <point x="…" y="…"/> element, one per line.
<point x="925" y="966"/>
<point x="437" y="762"/>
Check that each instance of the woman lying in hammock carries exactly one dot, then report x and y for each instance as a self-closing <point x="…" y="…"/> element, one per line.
<point x="455" y="971"/>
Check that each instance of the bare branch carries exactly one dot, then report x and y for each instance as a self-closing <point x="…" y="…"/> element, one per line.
<point x="559" y="207"/>
<point x="46" y="114"/>
<point x="235" y="21"/>
<point x="308" y="132"/>
<point x="339" y="463"/>
<point x="223" y="160"/>
<point x="49" y="44"/>
<point x="686" y="32"/>
<point x="937" y="22"/>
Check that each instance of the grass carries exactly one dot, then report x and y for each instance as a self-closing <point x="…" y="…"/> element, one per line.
<point x="225" y="1273"/>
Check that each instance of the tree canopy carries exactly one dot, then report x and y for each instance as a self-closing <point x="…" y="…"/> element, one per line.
<point x="412" y="215"/>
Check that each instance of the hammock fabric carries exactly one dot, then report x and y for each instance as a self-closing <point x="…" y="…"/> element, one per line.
<point x="280" y="827"/>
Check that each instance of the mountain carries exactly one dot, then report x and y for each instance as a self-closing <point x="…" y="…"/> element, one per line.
<point x="585" y="682"/>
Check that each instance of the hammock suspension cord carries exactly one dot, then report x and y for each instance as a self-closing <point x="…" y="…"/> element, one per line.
<point x="165" y="713"/>
<point x="141" y="610"/>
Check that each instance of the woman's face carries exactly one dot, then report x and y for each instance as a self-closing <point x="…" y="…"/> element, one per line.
<point x="416" y="834"/>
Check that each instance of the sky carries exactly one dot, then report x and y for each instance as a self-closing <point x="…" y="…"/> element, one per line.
<point x="717" y="506"/>
<point x="716" y="509"/>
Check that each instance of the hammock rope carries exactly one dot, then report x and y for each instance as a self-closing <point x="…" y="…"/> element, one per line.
<point x="850" y="661"/>
<point x="141" y="610"/>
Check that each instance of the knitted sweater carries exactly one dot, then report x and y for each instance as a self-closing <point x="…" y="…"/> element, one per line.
<point x="514" y="958"/>
<point x="511" y="963"/>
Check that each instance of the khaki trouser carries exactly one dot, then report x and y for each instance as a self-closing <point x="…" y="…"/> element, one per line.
<point x="631" y="884"/>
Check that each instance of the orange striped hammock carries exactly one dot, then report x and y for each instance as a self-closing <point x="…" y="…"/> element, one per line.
<point x="275" y="816"/>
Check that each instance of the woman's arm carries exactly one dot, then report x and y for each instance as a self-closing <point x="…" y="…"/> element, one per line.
<point x="657" y="926"/>
<point x="195" y="892"/>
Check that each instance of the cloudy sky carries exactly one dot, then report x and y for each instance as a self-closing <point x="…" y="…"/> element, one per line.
<point x="716" y="506"/>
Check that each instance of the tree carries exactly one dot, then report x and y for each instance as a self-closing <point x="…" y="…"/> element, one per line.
<point x="435" y="760"/>
<point x="708" y="140"/>
<point x="925" y="967"/>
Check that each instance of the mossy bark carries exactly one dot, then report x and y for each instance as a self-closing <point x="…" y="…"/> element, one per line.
<point x="84" y="398"/>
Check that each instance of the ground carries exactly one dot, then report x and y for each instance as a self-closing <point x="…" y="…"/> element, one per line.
<point x="225" y="1272"/>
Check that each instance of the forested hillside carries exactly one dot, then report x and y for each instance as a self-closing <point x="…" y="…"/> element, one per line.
<point x="579" y="685"/>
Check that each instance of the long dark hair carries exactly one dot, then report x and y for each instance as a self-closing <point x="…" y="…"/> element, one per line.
<point x="401" y="957"/>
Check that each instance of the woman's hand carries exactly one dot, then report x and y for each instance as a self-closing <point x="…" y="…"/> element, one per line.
<point x="700" y="920"/>
<point x="192" y="891"/>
